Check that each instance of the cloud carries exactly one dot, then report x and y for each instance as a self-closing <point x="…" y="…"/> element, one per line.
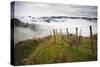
<point x="48" y="9"/>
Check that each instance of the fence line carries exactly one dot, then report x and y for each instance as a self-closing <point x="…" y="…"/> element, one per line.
<point x="77" y="38"/>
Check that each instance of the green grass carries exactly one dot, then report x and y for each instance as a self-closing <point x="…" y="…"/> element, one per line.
<point x="45" y="50"/>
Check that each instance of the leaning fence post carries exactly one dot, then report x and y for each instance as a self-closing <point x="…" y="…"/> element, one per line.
<point x="91" y="37"/>
<point x="76" y="38"/>
<point x="54" y="32"/>
<point x="67" y="33"/>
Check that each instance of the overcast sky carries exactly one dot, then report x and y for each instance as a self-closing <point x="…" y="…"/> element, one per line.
<point x="52" y="9"/>
<point x="26" y="9"/>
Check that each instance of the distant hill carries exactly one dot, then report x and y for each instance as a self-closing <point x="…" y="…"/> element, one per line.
<point x="18" y="23"/>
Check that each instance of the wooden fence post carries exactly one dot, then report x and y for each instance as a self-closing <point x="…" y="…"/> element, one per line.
<point x="54" y="32"/>
<point x="79" y="39"/>
<point x="56" y="36"/>
<point x="61" y="32"/>
<point x="91" y="36"/>
<point x="76" y="38"/>
<point x="61" y="35"/>
<point x="67" y="33"/>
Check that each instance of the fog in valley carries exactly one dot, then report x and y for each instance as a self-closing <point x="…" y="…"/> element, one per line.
<point x="37" y="20"/>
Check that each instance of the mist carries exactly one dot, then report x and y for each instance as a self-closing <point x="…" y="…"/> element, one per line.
<point x="80" y="16"/>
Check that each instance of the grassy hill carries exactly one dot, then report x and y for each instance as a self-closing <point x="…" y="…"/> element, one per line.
<point x="46" y="50"/>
